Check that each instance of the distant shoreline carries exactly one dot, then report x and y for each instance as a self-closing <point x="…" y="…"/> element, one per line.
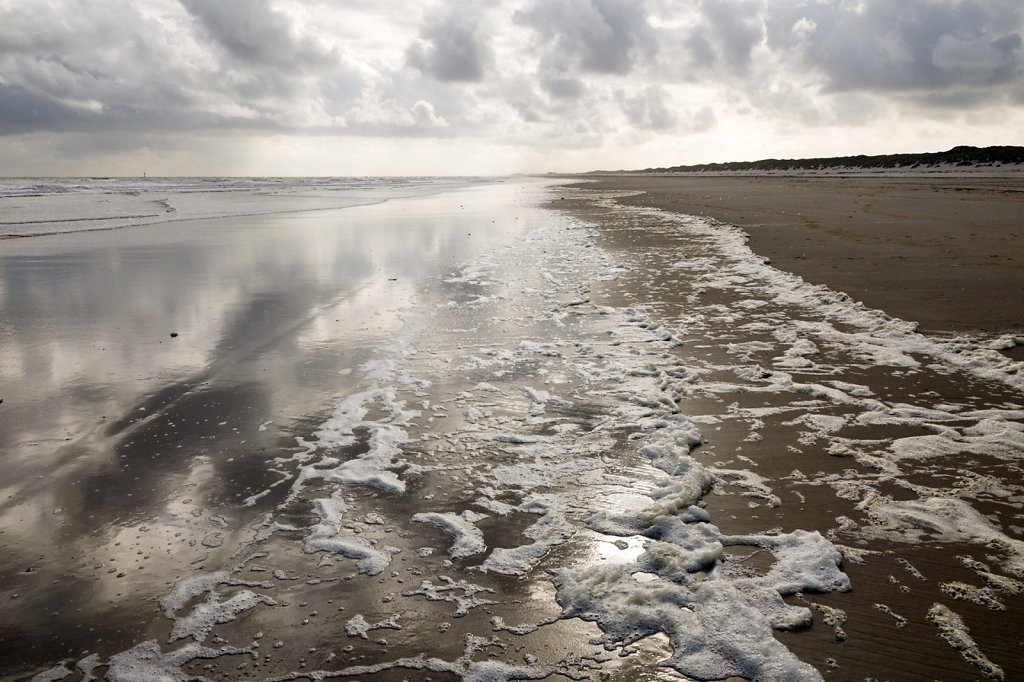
<point x="1009" y="170"/>
<point x="958" y="158"/>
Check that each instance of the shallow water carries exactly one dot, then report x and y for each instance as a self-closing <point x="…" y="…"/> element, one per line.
<point x="407" y="442"/>
<point x="151" y="365"/>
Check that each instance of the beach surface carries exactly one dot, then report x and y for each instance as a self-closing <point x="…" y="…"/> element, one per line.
<point x="946" y="250"/>
<point x="515" y="430"/>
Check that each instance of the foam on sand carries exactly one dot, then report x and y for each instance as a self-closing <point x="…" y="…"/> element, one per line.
<point x="550" y="530"/>
<point x="945" y="518"/>
<point x="327" y="536"/>
<point x="357" y="626"/>
<point x="206" y="615"/>
<point x="714" y="631"/>
<point x="146" y="661"/>
<point x="953" y="631"/>
<point x="468" y="538"/>
<point x="459" y="592"/>
<point x="719" y="626"/>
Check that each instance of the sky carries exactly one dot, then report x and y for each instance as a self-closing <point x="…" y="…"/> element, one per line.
<point x="492" y="87"/>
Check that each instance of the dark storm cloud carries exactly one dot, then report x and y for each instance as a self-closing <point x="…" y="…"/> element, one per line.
<point x="255" y="34"/>
<point x="589" y="36"/>
<point x="509" y="69"/>
<point x="24" y="111"/>
<point x="913" y="46"/>
<point x="727" y="33"/>
<point x="55" y="95"/>
<point x="79" y="67"/>
<point x="450" y="48"/>
<point x="262" y="58"/>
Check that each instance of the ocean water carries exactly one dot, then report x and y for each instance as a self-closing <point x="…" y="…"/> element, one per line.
<point x="481" y="431"/>
<point x="41" y="206"/>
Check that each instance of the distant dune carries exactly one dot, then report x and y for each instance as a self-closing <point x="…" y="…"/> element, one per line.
<point x="958" y="157"/>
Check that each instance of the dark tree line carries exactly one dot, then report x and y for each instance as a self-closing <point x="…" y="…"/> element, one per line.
<point x="957" y="156"/>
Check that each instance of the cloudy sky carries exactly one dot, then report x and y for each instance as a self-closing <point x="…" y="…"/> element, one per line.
<point x="357" y="87"/>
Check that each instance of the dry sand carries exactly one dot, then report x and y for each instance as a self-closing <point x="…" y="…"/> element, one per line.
<point x="947" y="252"/>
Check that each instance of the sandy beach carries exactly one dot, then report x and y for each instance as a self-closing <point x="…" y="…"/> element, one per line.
<point x="944" y="251"/>
<point x="512" y="431"/>
<point x="590" y="340"/>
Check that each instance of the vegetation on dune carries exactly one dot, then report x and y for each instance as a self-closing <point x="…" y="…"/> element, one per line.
<point x="957" y="156"/>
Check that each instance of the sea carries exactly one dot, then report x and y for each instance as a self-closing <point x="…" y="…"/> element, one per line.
<point x="479" y="429"/>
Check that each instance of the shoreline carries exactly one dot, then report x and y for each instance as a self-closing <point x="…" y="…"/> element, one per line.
<point x="945" y="252"/>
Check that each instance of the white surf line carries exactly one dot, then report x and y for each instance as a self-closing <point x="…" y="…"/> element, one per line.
<point x="996" y="432"/>
<point x="579" y="601"/>
<point x="894" y="337"/>
<point x="692" y="544"/>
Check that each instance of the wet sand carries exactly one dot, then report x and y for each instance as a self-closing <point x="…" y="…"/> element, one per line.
<point x="825" y="481"/>
<point x="946" y="252"/>
<point x="463" y="436"/>
<point x="151" y="374"/>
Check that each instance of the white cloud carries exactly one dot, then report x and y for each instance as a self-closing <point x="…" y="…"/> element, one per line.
<point x="257" y="35"/>
<point x="424" y="116"/>
<point x="652" y="108"/>
<point x="590" y="36"/>
<point x="560" y="80"/>
<point x="451" y="48"/>
<point x="804" y="27"/>
<point x="914" y="46"/>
